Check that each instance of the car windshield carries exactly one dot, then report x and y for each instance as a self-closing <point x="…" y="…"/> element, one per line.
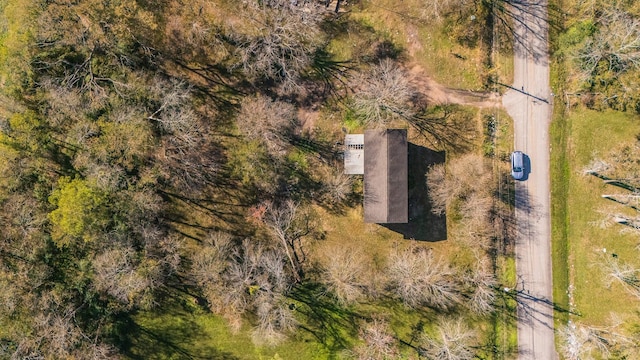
<point x="517" y="168"/>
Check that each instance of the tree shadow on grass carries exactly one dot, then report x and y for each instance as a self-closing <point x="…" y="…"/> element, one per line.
<point x="448" y="126"/>
<point x="331" y="325"/>
<point x="168" y="332"/>
<point x="174" y="337"/>
<point x="423" y="224"/>
<point x="521" y="305"/>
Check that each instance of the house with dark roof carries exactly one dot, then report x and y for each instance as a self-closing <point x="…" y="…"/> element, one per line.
<point x="385" y="167"/>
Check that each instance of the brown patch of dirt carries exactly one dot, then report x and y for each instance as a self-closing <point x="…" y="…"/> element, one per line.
<point x="307" y="119"/>
<point x="413" y="42"/>
<point x="436" y="93"/>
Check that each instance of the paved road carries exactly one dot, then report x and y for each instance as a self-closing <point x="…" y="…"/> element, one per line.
<point x="529" y="104"/>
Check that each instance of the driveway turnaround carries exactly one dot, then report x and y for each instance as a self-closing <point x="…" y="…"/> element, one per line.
<point x="529" y="103"/>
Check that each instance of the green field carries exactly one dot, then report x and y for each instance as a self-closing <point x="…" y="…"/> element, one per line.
<point x="582" y="238"/>
<point x="593" y="301"/>
<point x="191" y="333"/>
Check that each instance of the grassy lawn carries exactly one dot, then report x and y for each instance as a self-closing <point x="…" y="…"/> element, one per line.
<point x="424" y="43"/>
<point x="192" y="334"/>
<point x="560" y="131"/>
<point x="587" y="240"/>
<point x="559" y="219"/>
<point x="579" y="239"/>
<point x="505" y="325"/>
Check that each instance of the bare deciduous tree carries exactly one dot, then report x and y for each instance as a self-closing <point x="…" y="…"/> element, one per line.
<point x="377" y="341"/>
<point x="621" y="170"/>
<point x="289" y="225"/>
<point x="476" y="209"/>
<point x="266" y="282"/>
<point x="280" y="40"/>
<point x="210" y="260"/>
<point x="101" y="351"/>
<point x="418" y="279"/>
<point x="54" y="333"/>
<point x="58" y="332"/>
<point x="467" y="184"/>
<point x="189" y="156"/>
<point x="454" y="340"/>
<point x="482" y="283"/>
<point x="165" y="251"/>
<point x="21" y="220"/>
<point x="275" y="320"/>
<point x="624" y="165"/>
<point x="625" y="274"/>
<point x="233" y="296"/>
<point x="382" y="94"/>
<point x="580" y="341"/>
<point x="338" y="187"/>
<point x="343" y="271"/>
<point x="173" y="114"/>
<point x="127" y="278"/>
<point x="249" y="276"/>
<point x="631" y="223"/>
<point x="616" y="42"/>
<point x="438" y="9"/>
<point x="460" y="179"/>
<point x="439" y="193"/>
<point x="268" y="121"/>
<point x="107" y="177"/>
<point x="65" y="105"/>
<point x="631" y="200"/>
<point x="469" y="173"/>
<point x="596" y="166"/>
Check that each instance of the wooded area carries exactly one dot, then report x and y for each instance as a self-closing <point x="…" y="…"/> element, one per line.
<point x="155" y="150"/>
<point x="156" y="153"/>
<point x="602" y="44"/>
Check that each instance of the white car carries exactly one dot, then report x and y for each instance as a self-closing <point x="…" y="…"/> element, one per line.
<point x="517" y="165"/>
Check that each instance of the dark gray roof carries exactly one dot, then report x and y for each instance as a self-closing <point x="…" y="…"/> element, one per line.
<point x="385" y="176"/>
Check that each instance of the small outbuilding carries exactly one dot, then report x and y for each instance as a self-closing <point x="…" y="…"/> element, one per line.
<point x="354" y="154"/>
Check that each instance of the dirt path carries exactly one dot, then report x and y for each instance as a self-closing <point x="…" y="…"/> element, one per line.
<point x="436" y="93"/>
<point x="529" y="104"/>
<point x="431" y="91"/>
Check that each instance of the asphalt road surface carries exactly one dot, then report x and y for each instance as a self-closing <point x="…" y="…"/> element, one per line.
<point x="529" y="104"/>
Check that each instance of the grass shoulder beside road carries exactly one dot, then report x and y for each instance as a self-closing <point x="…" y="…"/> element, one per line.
<point x="560" y="180"/>
<point x="560" y="173"/>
